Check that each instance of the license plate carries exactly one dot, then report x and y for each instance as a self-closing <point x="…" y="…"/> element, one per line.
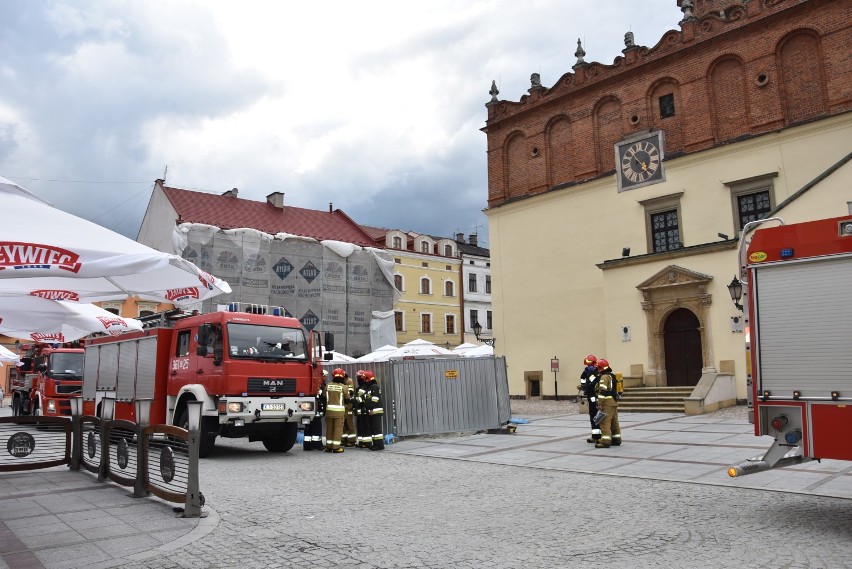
<point x="273" y="407"/>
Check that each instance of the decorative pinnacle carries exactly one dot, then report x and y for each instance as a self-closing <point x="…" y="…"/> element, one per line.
<point x="494" y="91"/>
<point x="579" y="53"/>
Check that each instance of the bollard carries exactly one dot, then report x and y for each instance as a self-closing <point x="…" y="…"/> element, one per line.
<point x="76" y="432"/>
<point x="194" y="497"/>
<point x="143" y="414"/>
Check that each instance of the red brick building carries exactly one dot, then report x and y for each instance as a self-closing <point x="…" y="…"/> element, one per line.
<point x="735" y="69"/>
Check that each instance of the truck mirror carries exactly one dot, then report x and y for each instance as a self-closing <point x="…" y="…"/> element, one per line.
<point x="42" y="368"/>
<point x="328" y="356"/>
<point x="329" y="341"/>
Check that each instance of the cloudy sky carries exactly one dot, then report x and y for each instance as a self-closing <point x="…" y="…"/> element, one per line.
<point x="373" y="105"/>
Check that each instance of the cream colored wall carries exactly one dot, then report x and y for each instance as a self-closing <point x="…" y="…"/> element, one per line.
<point x="158" y="222"/>
<point x="413" y="304"/>
<point x="551" y="300"/>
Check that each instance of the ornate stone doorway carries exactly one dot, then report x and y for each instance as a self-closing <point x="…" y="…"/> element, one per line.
<point x="682" y="347"/>
<point x="664" y="295"/>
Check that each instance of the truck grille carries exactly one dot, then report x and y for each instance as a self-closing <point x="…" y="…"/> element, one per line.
<point x="276" y="385"/>
<point x="69" y="389"/>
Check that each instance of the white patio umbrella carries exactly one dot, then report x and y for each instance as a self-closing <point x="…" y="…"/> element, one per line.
<point x="50" y="253"/>
<point x="421" y="349"/>
<point x="38" y="319"/>
<point x="8" y="356"/>
<point x="377" y="355"/>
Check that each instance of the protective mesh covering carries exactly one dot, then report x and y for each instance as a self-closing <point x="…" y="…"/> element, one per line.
<point x="331" y="286"/>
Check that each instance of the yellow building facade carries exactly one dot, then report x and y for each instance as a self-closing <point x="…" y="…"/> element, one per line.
<point x="583" y="281"/>
<point x="427" y="272"/>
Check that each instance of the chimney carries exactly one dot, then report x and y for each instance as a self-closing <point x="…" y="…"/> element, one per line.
<point x="330" y="207"/>
<point x="473" y="240"/>
<point x="459" y="237"/>
<point x="232" y="193"/>
<point x="276" y="199"/>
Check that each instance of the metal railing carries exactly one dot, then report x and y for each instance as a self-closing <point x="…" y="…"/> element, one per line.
<point x="153" y="459"/>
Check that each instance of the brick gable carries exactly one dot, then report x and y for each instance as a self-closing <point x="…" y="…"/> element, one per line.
<point x="734" y="71"/>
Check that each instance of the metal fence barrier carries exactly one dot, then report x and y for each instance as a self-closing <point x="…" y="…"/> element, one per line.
<point x="434" y="396"/>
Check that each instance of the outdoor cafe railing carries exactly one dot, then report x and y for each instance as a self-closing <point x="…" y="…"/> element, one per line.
<point x="157" y="459"/>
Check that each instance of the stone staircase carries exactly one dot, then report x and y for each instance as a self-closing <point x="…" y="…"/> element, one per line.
<point x="654" y="399"/>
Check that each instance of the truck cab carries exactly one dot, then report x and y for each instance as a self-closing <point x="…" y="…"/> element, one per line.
<point x="48" y="377"/>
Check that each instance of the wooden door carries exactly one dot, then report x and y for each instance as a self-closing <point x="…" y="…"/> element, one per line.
<point x="683" y="348"/>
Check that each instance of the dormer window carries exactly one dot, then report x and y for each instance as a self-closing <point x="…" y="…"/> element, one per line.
<point x="424" y="247"/>
<point x="397" y="242"/>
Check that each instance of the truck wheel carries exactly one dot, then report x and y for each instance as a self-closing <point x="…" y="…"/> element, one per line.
<point x="206" y="438"/>
<point x="282" y="440"/>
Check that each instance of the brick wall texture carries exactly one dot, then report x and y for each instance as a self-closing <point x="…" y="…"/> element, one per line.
<point x="738" y="69"/>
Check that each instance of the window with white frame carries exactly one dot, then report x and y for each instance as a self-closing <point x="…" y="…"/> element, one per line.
<point x="425" y="286"/>
<point x="487" y="284"/>
<point x="474" y="318"/>
<point x="488" y="323"/>
<point x="449" y="288"/>
<point x="397" y="242"/>
<point x="425" y="323"/>
<point x="399" y="321"/>
<point x="398" y="282"/>
<point x="425" y="247"/>
<point x="451" y="323"/>
<point x="471" y="283"/>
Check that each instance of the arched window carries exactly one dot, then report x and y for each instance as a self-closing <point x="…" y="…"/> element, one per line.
<point x="448" y="250"/>
<point x="425" y="286"/>
<point x="397" y="242"/>
<point x="425" y="247"/>
<point x="449" y="288"/>
<point x="397" y="282"/>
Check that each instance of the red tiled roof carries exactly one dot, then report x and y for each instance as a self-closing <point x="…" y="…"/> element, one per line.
<point x="228" y="212"/>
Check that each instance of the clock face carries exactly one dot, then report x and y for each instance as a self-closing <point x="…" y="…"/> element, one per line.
<point x="640" y="163"/>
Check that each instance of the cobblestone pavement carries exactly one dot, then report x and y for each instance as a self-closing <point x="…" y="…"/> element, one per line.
<point x="367" y="510"/>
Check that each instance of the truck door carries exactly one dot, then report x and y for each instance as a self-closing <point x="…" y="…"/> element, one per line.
<point x="209" y="350"/>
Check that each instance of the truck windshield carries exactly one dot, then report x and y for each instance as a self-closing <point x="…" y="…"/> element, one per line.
<point x="66" y="365"/>
<point x="266" y="342"/>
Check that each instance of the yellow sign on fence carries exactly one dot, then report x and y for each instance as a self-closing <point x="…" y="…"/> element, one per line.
<point x="451" y="374"/>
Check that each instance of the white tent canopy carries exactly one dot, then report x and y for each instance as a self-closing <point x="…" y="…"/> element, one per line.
<point x="421" y="349"/>
<point x="338" y="357"/>
<point x="461" y="348"/>
<point x="479" y="351"/>
<point x="377" y="355"/>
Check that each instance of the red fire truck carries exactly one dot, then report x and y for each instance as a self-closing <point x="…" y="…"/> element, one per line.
<point x="799" y="306"/>
<point x="48" y="376"/>
<point x="256" y="372"/>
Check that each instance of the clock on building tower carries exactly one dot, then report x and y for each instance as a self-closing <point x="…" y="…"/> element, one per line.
<point x="639" y="161"/>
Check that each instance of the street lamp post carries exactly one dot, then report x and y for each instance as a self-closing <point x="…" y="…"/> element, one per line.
<point x="735" y="288"/>
<point x="477" y="330"/>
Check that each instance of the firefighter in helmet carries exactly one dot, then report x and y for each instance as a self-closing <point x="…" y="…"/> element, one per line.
<point x="375" y="411"/>
<point x="588" y="381"/>
<point x="348" y="419"/>
<point x="607" y="395"/>
<point x="313" y="430"/>
<point x="362" y="419"/>
<point x="336" y="394"/>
